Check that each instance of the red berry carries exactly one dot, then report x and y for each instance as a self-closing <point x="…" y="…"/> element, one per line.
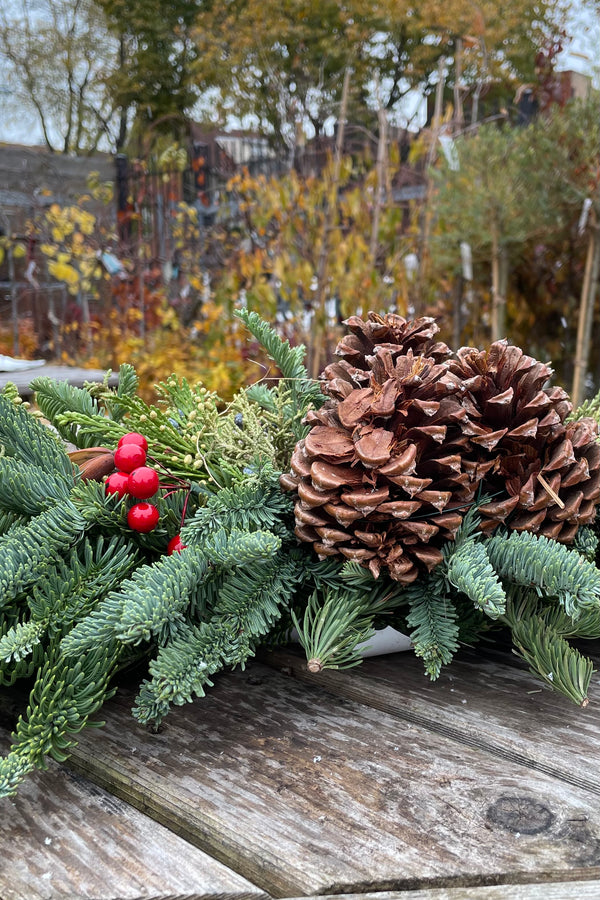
<point x="133" y="437"/>
<point x="143" y="517"/>
<point x="117" y="483"/>
<point x="142" y="482"/>
<point x="129" y="456"/>
<point x="175" y="545"/>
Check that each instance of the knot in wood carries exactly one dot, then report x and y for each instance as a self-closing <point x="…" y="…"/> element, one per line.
<point x="521" y="815"/>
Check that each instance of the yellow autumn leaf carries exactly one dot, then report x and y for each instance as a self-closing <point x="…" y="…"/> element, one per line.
<point x="63" y="272"/>
<point x="87" y="222"/>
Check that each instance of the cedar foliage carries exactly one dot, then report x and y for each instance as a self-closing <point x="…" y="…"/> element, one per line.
<point x="82" y="596"/>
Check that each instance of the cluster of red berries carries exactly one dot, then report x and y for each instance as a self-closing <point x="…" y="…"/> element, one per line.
<point x="134" y="478"/>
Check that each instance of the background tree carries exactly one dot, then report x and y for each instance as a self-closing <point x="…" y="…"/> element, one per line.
<point x="57" y="56"/>
<point x="288" y="78"/>
<point x="153" y="85"/>
<point x="531" y="185"/>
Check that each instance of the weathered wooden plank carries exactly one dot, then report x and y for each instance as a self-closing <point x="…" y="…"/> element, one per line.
<point x="75" y="375"/>
<point x="304" y="793"/>
<point x="479" y="702"/>
<point x="63" y="837"/>
<point x="565" y="890"/>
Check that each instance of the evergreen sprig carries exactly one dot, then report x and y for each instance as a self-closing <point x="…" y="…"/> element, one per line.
<point x="433" y="622"/>
<point x="562" y="667"/>
<point x="469" y="570"/>
<point x="548" y="567"/>
<point x="65" y="695"/>
<point x="55" y="398"/>
<point x="251" y="505"/>
<point x="332" y="630"/>
<point x="26" y="439"/>
<point x="249" y="603"/>
<point x="30" y="489"/>
<point x="28" y="550"/>
<point x="304" y="391"/>
<point x="149" y="604"/>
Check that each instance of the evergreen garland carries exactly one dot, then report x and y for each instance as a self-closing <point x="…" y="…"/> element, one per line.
<point x="81" y="595"/>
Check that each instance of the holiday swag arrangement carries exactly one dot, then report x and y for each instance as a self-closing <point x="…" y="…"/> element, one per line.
<point x="445" y="494"/>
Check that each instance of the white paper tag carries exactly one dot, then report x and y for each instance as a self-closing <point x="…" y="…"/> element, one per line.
<point x="387" y="640"/>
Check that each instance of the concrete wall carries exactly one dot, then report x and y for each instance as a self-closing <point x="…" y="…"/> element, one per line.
<point x="31" y="176"/>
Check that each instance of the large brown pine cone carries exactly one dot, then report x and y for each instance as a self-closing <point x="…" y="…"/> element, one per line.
<point x="408" y="439"/>
<point x="380" y="476"/>
<point x="545" y="476"/>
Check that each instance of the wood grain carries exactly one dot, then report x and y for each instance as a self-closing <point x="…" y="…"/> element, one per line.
<point x="477" y="701"/>
<point x="63" y="837"/>
<point x="564" y="890"/>
<point x="305" y="793"/>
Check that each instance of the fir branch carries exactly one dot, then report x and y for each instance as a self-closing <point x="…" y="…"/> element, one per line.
<point x="248" y="606"/>
<point x="151" y="603"/>
<point x="90" y="430"/>
<point x="254" y="504"/>
<point x="54" y="398"/>
<point x="305" y="392"/>
<point x="154" y="599"/>
<point x="551" y="658"/>
<point x="240" y="548"/>
<point x="26" y="488"/>
<point x="249" y="600"/>
<point x="180" y="672"/>
<point x="127" y="386"/>
<point x="75" y="586"/>
<point x="262" y="396"/>
<point x="27" y="550"/>
<point x="548" y="567"/>
<point x="289" y="361"/>
<point x="469" y="570"/>
<point x="587" y="624"/>
<point x="65" y="695"/>
<point x="332" y="629"/>
<point x="18" y="643"/>
<point x="10" y="518"/>
<point x="586" y="542"/>
<point x="433" y="620"/>
<point x="26" y="439"/>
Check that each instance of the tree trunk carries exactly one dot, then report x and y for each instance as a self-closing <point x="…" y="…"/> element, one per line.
<point x="457" y="311"/>
<point x="380" y="174"/>
<point x="425" y="216"/>
<point x="320" y="320"/>
<point x="459" y="117"/>
<point x="499" y="283"/>
<point x="14" y="306"/>
<point x="586" y="316"/>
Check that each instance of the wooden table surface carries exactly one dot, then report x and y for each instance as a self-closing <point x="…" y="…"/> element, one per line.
<point x="373" y="782"/>
<point x="75" y="375"/>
